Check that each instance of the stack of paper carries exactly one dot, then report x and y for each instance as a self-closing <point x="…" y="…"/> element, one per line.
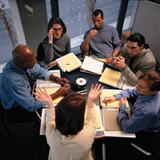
<point x="92" y="66"/>
<point x="49" y="83"/>
<point x="113" y="105"/>
<point x="112" y="77"/>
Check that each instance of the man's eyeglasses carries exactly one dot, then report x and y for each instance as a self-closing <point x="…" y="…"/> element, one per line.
<point x="57" y="29"/>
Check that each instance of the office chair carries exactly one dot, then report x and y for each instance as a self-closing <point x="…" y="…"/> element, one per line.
<point x="143" y="154"/>
<point x="157" y="65"/>
<point x="9" y="120"/>
<point x="40" y="55"/>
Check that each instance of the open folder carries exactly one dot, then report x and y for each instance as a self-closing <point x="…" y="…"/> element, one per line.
<point x="68" y="62"/>
<point x="110" y="113"/>
<point x="112" y="77"/>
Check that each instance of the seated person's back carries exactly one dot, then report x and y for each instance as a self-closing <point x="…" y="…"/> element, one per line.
<point x="68" y="134"/>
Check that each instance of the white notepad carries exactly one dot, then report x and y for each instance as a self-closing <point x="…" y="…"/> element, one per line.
<point x="92" y="66"/>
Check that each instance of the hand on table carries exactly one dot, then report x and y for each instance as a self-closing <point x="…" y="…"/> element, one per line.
<point x="109" y="99"/>
<point x="123" y="100"/>
<point x="109" y="60"/>
<point x="63" y="90"/>
<point x="62" y="81"/>
<point x="53" y="63"/>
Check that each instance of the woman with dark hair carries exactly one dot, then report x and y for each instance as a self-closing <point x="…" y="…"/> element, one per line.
<point x="57" y="42"/>
<point x="68" y="134"/>
<point x="145" y="118"/>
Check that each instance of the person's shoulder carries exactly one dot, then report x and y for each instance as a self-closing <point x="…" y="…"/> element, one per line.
<point x="109" y="27"/>
<point x="45" y="39"/>
<point x="66" y="36"/>
<point x="10" y="75"/>
<point x="36" y="68"/>
<point x="148" y="55"/>
<point x="124" y="47"/>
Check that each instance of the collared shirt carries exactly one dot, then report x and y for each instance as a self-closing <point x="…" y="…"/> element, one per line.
<point x="103" y="44"/>
<point x="15" y="89"/>
<point x="145" y="112"/>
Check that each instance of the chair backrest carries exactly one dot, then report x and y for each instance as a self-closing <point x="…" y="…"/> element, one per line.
<point x="2" y="110"/>
<point x="157" y="65"/>
<point x="40" y="53"/>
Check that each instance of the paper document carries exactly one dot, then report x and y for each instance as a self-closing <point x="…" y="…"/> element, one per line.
<point x="49" y="83"/>
<point x="69" y="62"/>
<point x="110" y="92"/>
<point x="111" y="77"/>
<point x="92" y="66"/>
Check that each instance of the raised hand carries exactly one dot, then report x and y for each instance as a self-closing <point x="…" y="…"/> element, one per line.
<point x="119" y="62"/>
<point x="92" y="33"/>
<point x="42" y="96"/>
<point x="50" y="35"/>
<point x="95" y="92"/>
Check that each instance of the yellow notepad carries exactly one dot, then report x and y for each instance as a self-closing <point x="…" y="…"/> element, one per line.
<point x="51" y="91"/>
<point x="110" y="77"/>
<point x="68" y="62"/>
<point x="115" y="104"/>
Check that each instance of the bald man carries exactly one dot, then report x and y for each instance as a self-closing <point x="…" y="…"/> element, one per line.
<point x="15" y="89"/>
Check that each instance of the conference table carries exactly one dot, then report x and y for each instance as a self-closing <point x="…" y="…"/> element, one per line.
<point x="73" y="75"/>
<point x="92" y="79"/>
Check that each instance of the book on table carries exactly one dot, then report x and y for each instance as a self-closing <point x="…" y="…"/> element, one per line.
<point x="114" y="78"/>
<point x="68" y="62"/>
<point x="110" y="113"/>
<point x="92" y="66"/>
<point x="51" y="87"/>
<point x="50" y="83"/>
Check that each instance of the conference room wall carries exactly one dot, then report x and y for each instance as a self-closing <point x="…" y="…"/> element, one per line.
<point x="147" y="22"/>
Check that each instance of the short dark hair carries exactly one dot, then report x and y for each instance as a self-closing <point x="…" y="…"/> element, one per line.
<point x="56" y="20"/>
<point x="69" y="114"/>
<point x="97" y="12"/>
<point x="152" y="78"/>
<point x="137" y="37"/>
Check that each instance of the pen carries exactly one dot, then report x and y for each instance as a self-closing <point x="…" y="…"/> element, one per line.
<point x="82" y="91"/>
<point x="70" y="63"/>
<point x="85" y="93"/>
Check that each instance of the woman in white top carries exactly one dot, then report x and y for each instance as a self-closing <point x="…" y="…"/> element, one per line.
<point x="69" y="135"/>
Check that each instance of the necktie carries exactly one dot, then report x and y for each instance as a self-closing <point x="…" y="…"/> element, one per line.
<point x="30" y="80"/>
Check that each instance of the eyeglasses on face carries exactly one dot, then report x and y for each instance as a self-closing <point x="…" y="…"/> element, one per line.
<point x="57" y="29"/>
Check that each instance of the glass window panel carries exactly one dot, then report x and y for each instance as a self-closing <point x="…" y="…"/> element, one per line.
<point x="5" y="42"/>
<point x="74" y="15"/>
